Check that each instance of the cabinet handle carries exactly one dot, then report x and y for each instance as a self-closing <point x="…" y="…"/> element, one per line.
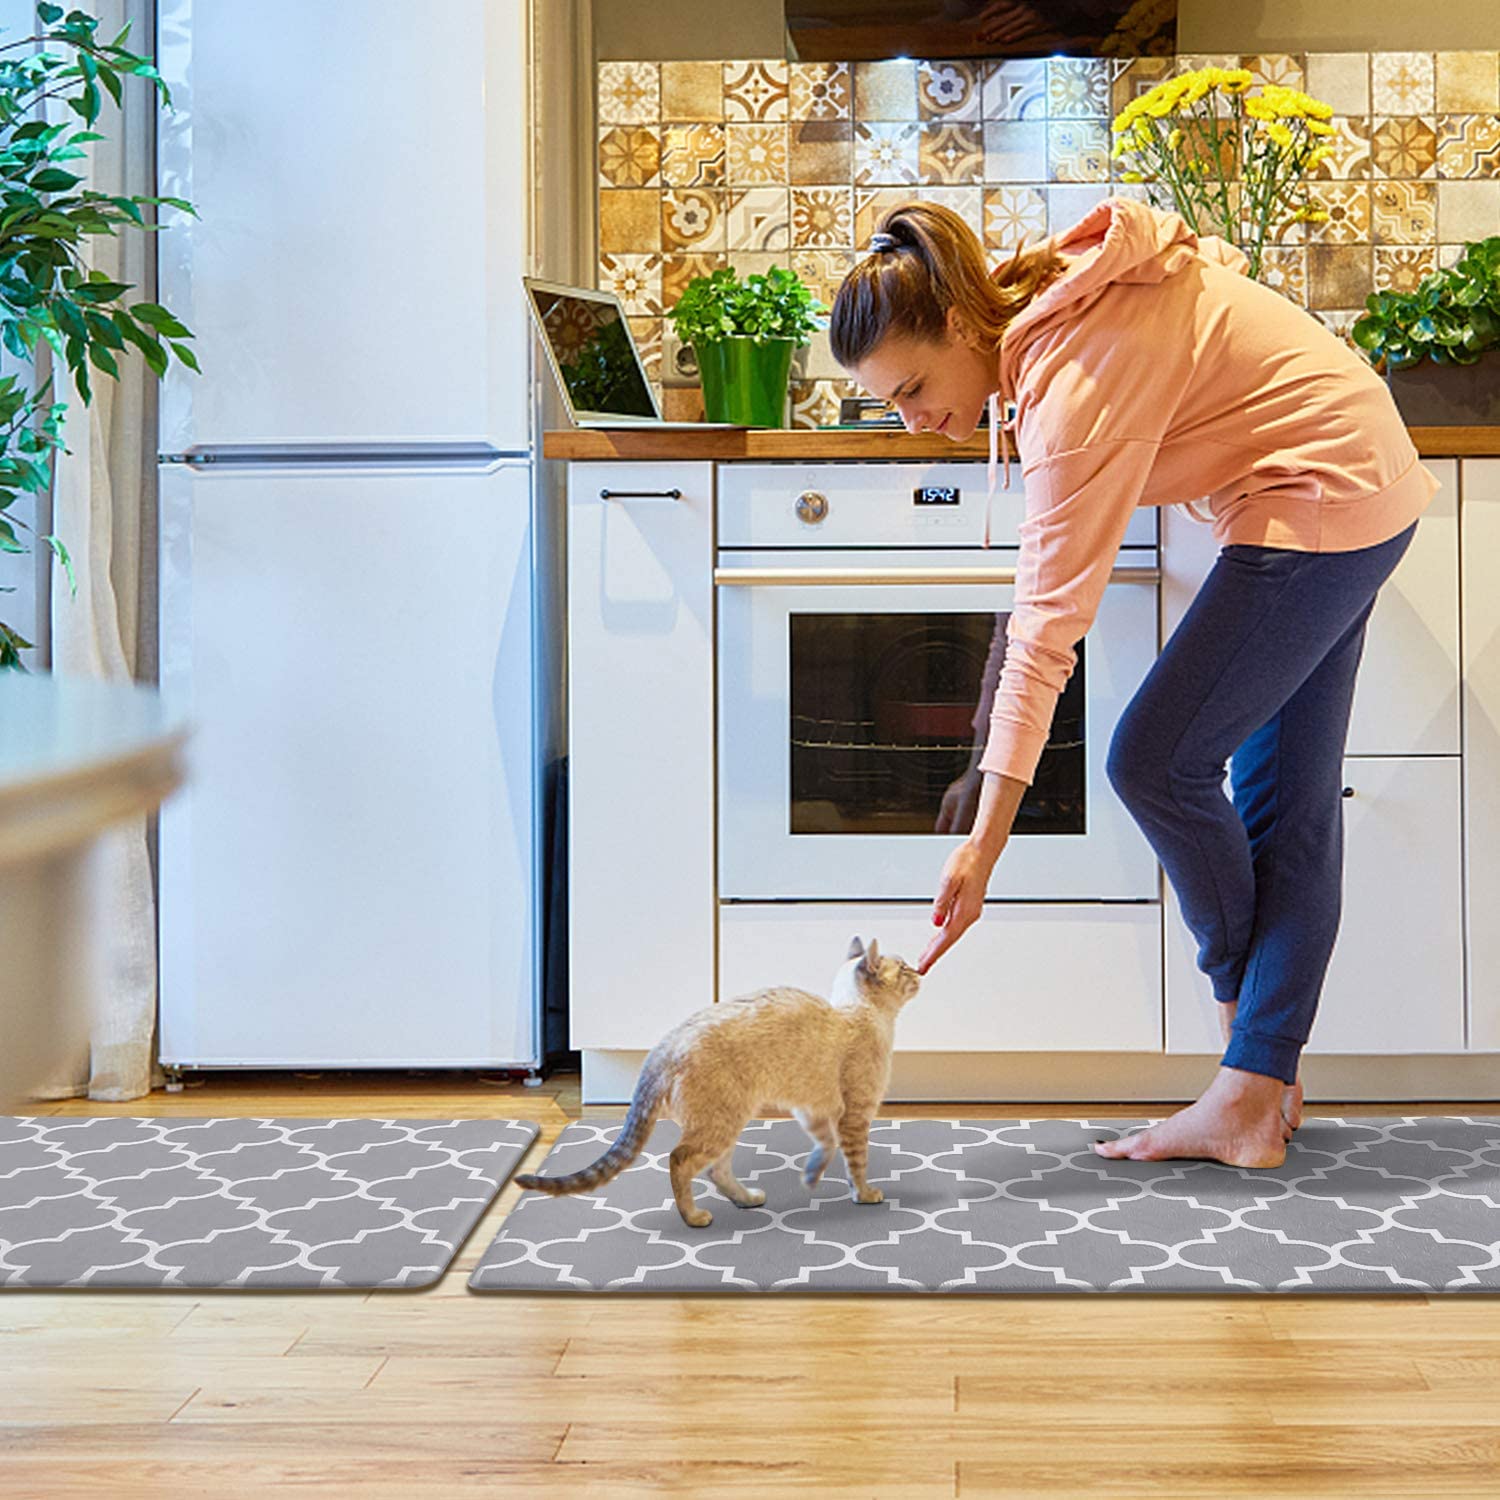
<point x="640" y="494"/>
<point x="1347" y="792"/>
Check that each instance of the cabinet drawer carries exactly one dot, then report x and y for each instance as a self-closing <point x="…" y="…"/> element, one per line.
<point x="1027" y="977"/>
<point x="1395" y="983"/>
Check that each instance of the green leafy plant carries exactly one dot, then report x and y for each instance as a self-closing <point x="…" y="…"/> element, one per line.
<point x="46" y="292"/>
<point x="1453" y="316"/>
<point x="776" y="305"/>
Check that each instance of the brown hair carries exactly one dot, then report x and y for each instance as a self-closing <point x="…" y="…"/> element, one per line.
<point x="925" y="259"/>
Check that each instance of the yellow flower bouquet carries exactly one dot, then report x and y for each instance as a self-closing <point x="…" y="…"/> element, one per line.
<point x="1233" y="162"/>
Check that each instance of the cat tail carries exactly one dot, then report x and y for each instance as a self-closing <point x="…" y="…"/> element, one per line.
<point x="627" y="1145"/>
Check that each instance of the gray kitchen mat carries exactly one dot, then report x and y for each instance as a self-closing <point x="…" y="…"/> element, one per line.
<point x="1397" y="1204"/>
<point x="244" y="1203"/>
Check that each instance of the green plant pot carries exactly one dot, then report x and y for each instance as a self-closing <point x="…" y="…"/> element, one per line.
<point x="1428" y="394"/>
<point x="745" y="380"/>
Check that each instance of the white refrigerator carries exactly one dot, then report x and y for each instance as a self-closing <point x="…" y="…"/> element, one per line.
<point x="350" y="877"/>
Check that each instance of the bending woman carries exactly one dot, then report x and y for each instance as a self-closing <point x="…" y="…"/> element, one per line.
<point x="1147" y="369"/>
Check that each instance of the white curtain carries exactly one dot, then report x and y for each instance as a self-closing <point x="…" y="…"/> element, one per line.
<point x="104" y="510"/>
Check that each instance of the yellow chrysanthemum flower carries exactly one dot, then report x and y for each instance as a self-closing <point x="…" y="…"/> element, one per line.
<point x="1281" y="135"/>
<point x="1174" y="140"/>
<point x="1317" y="127"/>
<point x="1132" y="177"/>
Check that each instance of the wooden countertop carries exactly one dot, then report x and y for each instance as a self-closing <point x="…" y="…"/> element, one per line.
<point x="675" y="444"/>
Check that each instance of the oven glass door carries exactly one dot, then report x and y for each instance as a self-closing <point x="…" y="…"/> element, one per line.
<point x="852" y="717"/>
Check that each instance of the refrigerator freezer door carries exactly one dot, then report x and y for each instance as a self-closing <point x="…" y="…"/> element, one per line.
<point x="359" y="172"/>
<point x="347" y="877"/>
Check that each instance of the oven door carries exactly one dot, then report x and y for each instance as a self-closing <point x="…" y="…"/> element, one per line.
<point x="852" y="714"/>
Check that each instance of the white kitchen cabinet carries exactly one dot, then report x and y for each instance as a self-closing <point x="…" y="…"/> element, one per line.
<point x="641" y="775"/>
<point x="1027" y="977"/>
<point x="1395" y="983"/>
<point x="1481" y="720"/>
<point x="1406" y="695"/>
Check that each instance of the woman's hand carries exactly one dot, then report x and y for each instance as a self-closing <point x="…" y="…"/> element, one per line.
<point x="960" y="898"/>
<point x="960" y="803"/>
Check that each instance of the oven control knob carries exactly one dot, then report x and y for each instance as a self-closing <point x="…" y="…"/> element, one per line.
<point x="811" y="507"/>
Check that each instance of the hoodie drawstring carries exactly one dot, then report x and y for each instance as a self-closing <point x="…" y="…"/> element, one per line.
<point x="997" y="440"/>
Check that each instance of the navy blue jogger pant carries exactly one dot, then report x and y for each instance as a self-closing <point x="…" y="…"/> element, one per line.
<point x="1260" y="673"/>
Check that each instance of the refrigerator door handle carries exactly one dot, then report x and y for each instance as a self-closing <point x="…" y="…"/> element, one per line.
<point x="479" y="455"/>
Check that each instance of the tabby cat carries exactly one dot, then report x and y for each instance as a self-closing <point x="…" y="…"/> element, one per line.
<point x="776" y="1049"/>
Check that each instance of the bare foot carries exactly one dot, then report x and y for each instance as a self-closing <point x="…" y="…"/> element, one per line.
<point x="1291" y="1094"/>
<point x="1238" y="1121"/>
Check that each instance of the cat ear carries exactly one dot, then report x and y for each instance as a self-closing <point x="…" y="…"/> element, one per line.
<point x="872" y="955"/>
<point x="856" y="950"/>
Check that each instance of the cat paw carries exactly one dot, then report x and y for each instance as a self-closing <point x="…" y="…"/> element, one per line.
<point x="870" y="1195"/>
<point x="814" y="1167"/>
<point x="699" y="1218"/>
<point x="753" y="1198"/>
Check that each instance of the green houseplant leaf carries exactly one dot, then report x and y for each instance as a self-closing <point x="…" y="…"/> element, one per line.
<point x="1452" y="316"/>
<point x="775" y="305"/>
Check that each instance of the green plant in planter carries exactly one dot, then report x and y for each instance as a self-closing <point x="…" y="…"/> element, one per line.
<point x="743" y="335"/>
<point x="1452" y="317"/>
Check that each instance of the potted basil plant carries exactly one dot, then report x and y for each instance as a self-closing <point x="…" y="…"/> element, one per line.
<point x="743" y="335"/>
<point x="1439" y="346"/>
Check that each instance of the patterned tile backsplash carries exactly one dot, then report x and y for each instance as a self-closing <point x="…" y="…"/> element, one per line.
<point x="755" y="163"/>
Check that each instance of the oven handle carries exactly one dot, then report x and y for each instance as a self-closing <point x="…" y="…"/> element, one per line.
<point x="840" y="577"/>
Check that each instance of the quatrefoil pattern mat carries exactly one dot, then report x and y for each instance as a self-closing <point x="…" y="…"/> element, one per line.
<point x="1360" y="1205"/>
<point x="240" y="1203"/>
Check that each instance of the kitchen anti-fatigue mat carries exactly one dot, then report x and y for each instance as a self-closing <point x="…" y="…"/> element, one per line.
<point x="276" y="1204"/>
<point x="1360" y="1205"/>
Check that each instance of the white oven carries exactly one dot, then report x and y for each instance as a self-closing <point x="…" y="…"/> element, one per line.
<point x="861" y="626"/>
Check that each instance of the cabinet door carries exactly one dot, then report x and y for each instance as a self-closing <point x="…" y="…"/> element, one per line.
<point x="1406" y="695"/>
<point x="1028" y="977"/>
<point x="1481" y="609"/>
<point x="641" y="750"/>
<point x="1395" y="982"/>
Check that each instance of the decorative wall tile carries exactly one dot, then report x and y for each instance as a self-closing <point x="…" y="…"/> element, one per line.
<point x="1468" y="210"/>
<point x="692" y="219"/>
<point x="1347" y="205"/>
<point x="822" y="217"/>
<point x="823" y="271"/>
<point x="629" y="220"/>
<point x="822" y="151"/>
<point x="1403" y="146"/>
<point x="678" y="270"/>
<point x="1015" y="89"/>
<point x="1285" y="68"/>
<point x="1349" y="149"/>
<point x="1400" y="268"/>
<point x="692" y="91"/>
<point x="682" y="404"/>
<point x="1450" y="255"/>
<point x="758" y="219"/>
<point x="1078" y="151"/>
<point x="966" y="202"/>
<point x="885" y="153"/>
<point x="815" y="403"/>
<point x="1139" y="76"/>
<point x="869" y="204"/>
<point x="948" y="91"/>
<point x="821" y="91"/>
<point x="1077" y="88"/>
<point x="1284" y="268"/>
<point x="635" y="280"/>
<point x="885" y="90"/>
<point x="1014" y="216"/>
<point x="1338" y="275"/>
<point x="1340" y="322"/>
<point x="693" y="155"/>
<point x="756" y="154"/>
<point x="629" y="93"/>
<point x="1402" y="83"/>
<point x="1403" y="213"/>
<point x="629" y="155"/>
<point x="647" y="335"/>
<point x="1468" y="81"/>
<point x="950" y="154"/>
<point x="1015" y="151"/>
<point x="1468" y="145"/>
<point x="1341" y="80"/>
<point x="1066" y="205"/>
<point x="756" y="91"/>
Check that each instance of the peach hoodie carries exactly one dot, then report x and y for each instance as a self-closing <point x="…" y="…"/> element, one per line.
<point x="1153" y="372"/>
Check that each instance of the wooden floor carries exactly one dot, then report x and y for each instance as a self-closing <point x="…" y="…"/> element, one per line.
<point x="409" y="1395"/>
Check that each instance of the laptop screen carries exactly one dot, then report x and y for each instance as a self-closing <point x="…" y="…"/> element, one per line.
<point x="593" y="354"/>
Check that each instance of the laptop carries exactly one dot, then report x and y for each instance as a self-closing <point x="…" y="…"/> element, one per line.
<point x="593" y="356"/>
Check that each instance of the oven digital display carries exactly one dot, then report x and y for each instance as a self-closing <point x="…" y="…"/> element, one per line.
<point x="935" y="494"/>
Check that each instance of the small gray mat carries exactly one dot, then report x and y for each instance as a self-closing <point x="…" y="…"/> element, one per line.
<point x="1360" y="1205"/>
<point x="234" y="1203"/>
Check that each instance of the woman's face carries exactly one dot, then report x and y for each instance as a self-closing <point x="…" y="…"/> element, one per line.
<point x="937" y="385"/>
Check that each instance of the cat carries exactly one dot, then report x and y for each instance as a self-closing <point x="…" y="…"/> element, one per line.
<point x="828" y="1063"/>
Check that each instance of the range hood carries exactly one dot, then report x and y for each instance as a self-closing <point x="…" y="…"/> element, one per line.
<point x="870" y="30"/>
